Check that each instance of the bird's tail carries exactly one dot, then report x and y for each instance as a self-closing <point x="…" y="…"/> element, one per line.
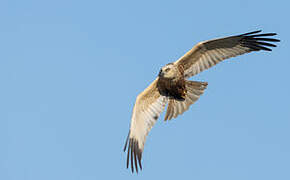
<point x="194" y="90"/>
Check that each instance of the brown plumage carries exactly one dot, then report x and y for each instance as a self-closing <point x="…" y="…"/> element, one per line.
<point x="172" y="87"/>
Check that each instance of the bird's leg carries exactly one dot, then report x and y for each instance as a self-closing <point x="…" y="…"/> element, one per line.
<point x="183" y="94"/>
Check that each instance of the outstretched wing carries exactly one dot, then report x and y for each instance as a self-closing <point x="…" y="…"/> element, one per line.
<point x="208" y="53"/>
<point x="147" y="108"/>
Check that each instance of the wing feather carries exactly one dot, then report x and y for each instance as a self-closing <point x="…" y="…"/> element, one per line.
<point x="148" y="106"/>
<point x="209" y="53"/>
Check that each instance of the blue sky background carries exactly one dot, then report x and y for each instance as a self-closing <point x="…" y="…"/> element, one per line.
<point x="70" y="72"/>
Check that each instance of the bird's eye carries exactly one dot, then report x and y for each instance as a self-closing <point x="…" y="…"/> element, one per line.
<point x="166" y="70"/>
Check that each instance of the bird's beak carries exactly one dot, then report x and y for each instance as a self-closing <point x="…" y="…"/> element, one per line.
<point x="161" y="73"/>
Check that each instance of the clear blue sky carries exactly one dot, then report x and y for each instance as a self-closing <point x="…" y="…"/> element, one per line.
<point x="70" y="72"/>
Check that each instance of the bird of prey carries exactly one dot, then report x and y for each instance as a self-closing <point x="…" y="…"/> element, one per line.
<point x="172" y="87"/>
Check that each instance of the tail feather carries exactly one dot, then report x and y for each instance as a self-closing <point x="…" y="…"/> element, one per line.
<point x="194" y="90"/>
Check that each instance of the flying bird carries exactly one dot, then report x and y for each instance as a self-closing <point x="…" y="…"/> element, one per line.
<point x="172" y="87"/>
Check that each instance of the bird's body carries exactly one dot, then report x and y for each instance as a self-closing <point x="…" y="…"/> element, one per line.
<point x="172" y="87"/>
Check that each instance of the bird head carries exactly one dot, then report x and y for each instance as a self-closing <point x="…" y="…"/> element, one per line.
<point x="169" y="71"/>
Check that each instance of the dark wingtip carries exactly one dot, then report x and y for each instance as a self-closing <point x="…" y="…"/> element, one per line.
<point x="257" y="42"/>
<point x="128" y="154"/>
<point x="265" y="34"/>
<point x="126" y="143"/>
<point x="132" y="152"/>
<point x="134" y="155"/>
<point x="253" y="32"/>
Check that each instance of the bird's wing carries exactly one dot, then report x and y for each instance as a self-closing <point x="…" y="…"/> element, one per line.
<point x="194" y="91"/>
<point x="208" y="53"/>
<point x="148" y="106"/>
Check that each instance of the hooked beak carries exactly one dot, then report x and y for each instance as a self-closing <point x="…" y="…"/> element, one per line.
<point x="161" y="73"/>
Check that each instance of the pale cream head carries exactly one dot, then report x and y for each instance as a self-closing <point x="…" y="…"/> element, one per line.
<point x="169" y="71"/>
